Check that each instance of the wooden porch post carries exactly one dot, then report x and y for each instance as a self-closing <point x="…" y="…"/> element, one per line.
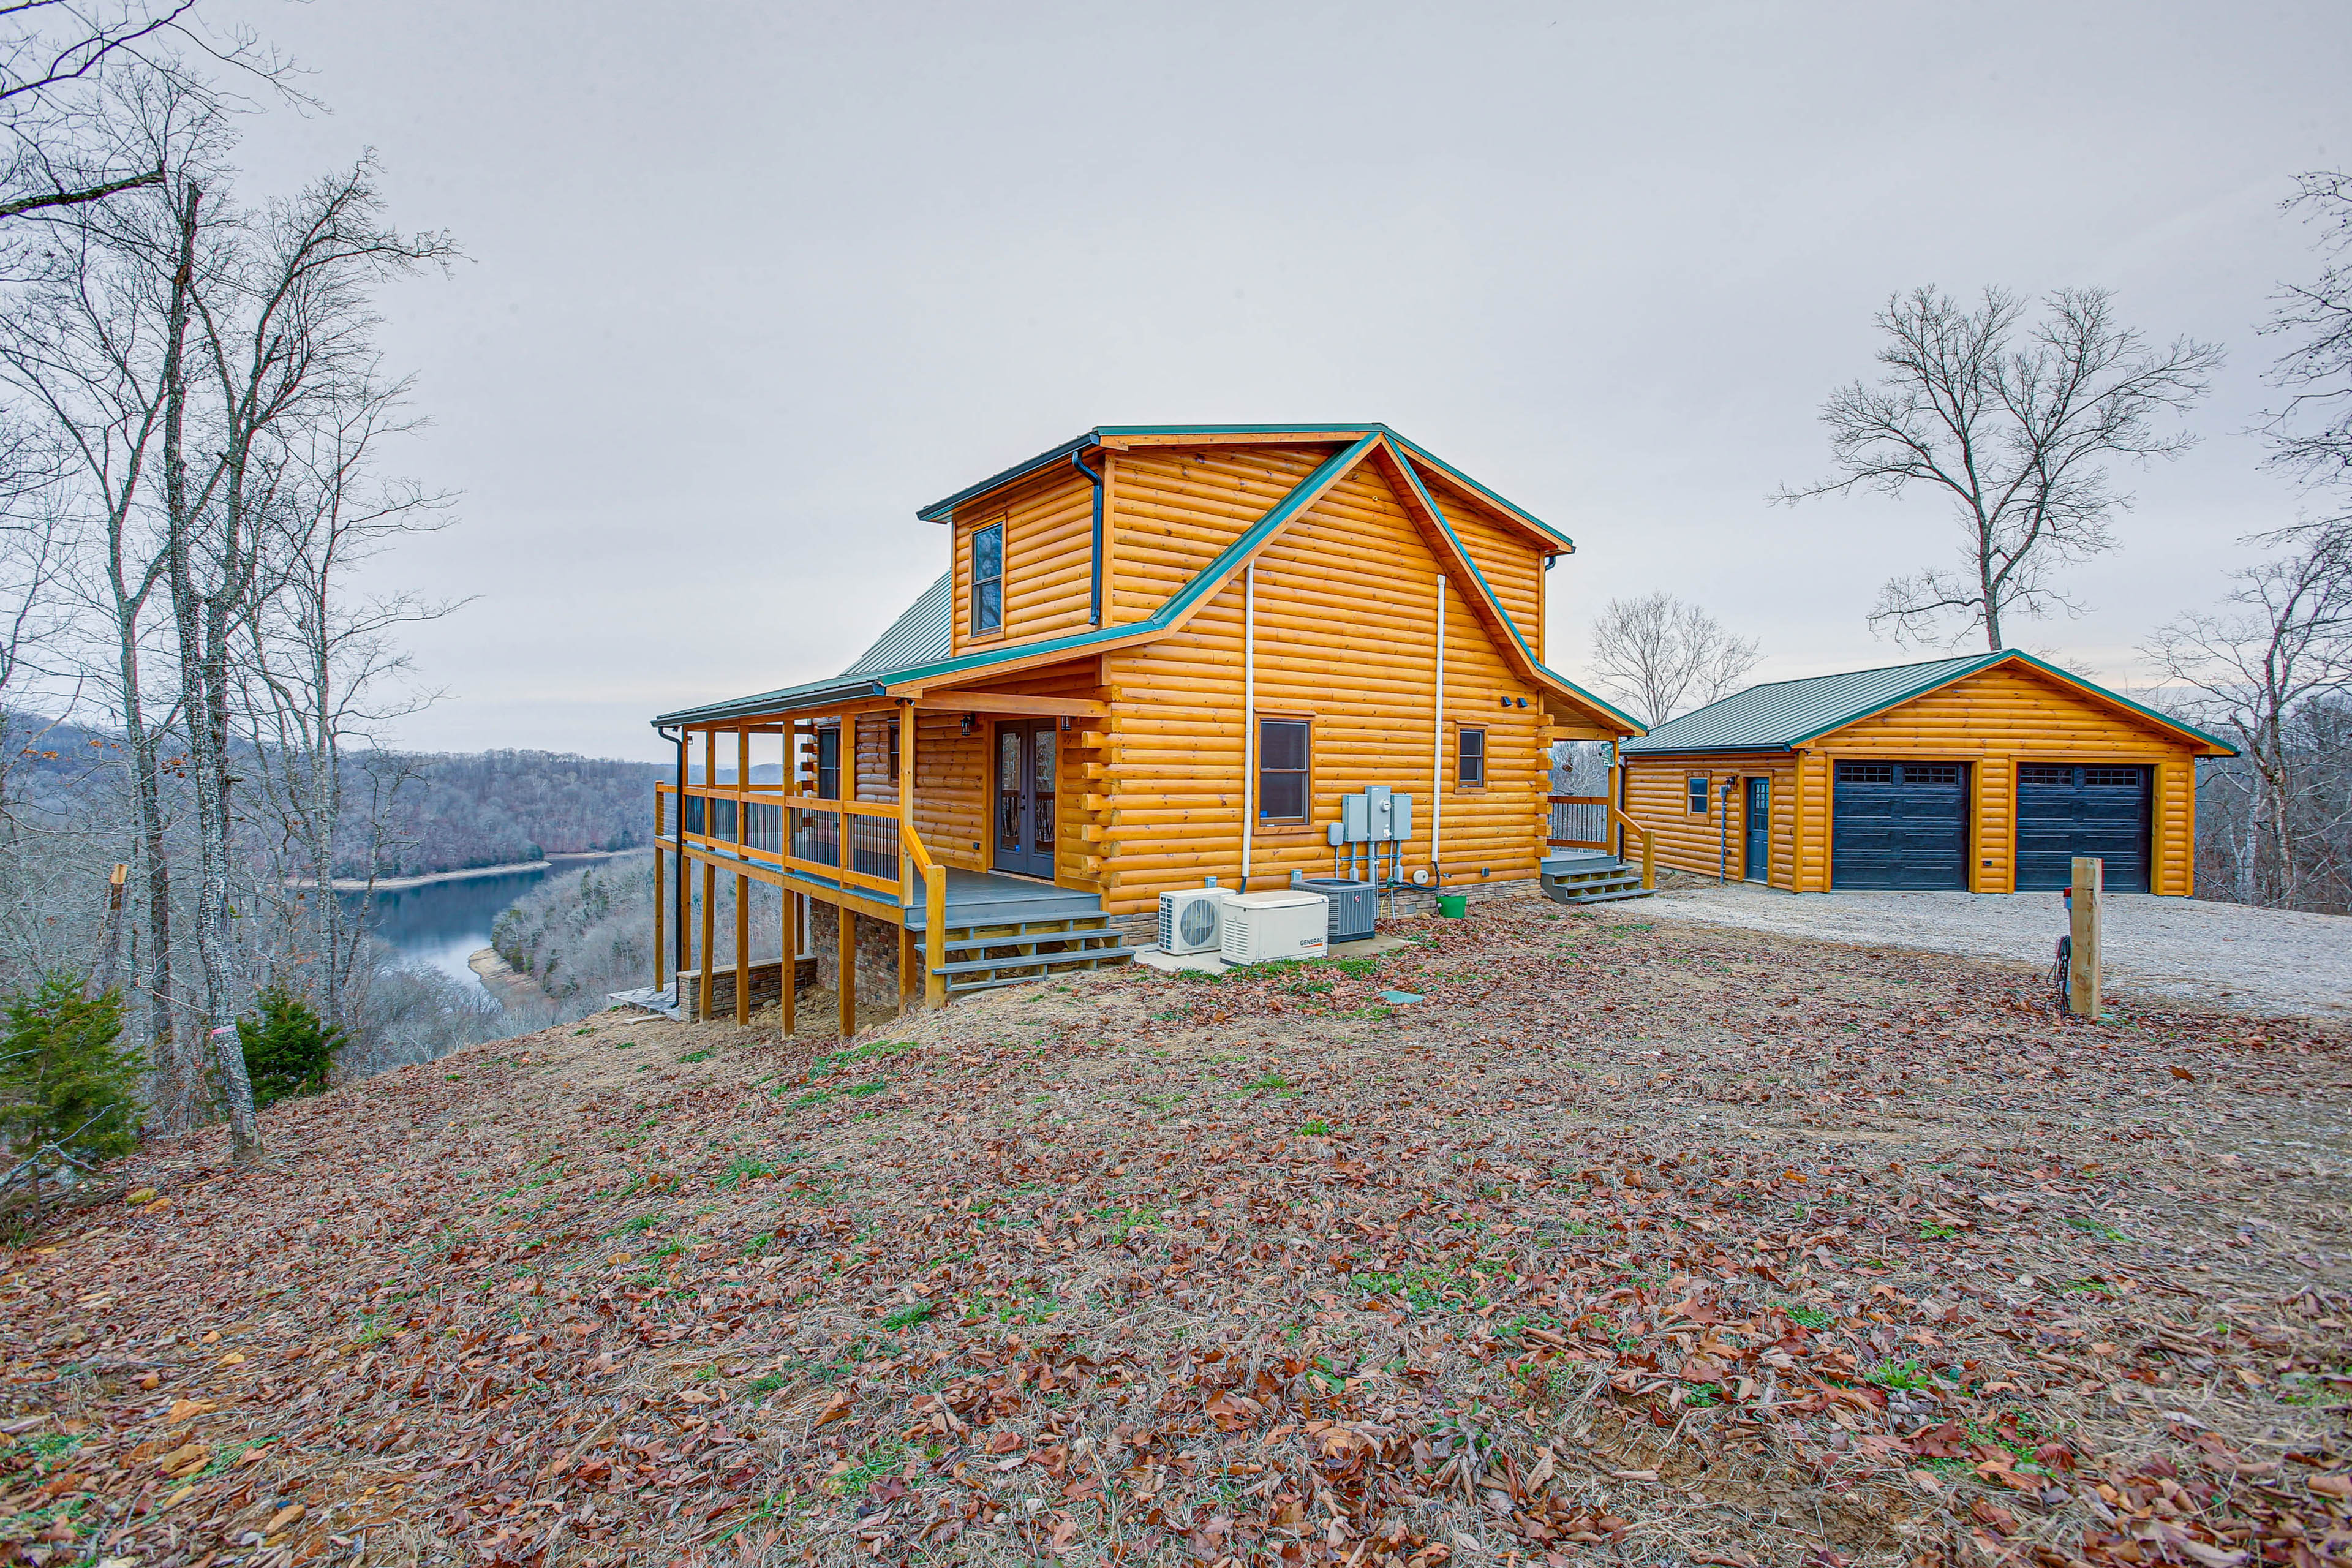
<point x="661" y="959"/>
<point x="905" y="860"/>
<point x="935" y="938"/>
<point x="846" y="967"/>
<point x="709" y="899"/>
<point x="742" y="882"/>
<point x="789" y="1003"/>
<point x="788" y="998"/>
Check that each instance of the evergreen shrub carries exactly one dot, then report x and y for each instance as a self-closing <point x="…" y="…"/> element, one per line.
<point x="64" y="1066"/>
<point x="287" y="1048"/>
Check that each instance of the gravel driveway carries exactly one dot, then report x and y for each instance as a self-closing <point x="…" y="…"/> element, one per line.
<point x="2227" y="955"/>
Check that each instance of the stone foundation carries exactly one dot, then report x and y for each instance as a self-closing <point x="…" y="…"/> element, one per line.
<point x="876" y="958"/>
<point x="767" y="988"/>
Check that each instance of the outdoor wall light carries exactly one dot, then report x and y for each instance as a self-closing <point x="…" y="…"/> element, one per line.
<point x="964" y="725"/>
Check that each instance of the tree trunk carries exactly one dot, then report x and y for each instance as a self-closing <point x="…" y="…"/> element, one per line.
<point x="196" y="622"/>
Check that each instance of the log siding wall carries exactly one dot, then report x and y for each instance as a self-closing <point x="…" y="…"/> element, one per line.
<point x="1346" y="633"/>
<point x="1048" y="559"/>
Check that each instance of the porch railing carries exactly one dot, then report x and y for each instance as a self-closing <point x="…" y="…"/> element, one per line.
<point x="820" y="831"/>
<point x="1576" y="822"/>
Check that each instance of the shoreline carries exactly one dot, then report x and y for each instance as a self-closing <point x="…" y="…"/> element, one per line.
<point x="498" y="978"/>
<point x="395" y="884"/>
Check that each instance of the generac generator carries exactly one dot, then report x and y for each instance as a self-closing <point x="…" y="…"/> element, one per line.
<point x="1263" y="927"/>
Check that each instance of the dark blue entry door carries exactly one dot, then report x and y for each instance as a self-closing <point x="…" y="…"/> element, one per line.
<point x="1902" y="826"/>
<point x="1025" y="772"/>
<point x="1756" y="864"/>
<point x="2065" y="809"/>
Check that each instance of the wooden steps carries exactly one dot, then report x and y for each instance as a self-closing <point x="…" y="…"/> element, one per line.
<point x="1014" y="952"/>
<point x="1591" y="879"/>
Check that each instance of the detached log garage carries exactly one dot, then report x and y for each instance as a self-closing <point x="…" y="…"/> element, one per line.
<point x="1986" y="774"/>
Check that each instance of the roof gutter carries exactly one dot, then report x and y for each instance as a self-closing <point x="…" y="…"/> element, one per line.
<point x="1094" y="599"/>
<point x="766" y="703"/>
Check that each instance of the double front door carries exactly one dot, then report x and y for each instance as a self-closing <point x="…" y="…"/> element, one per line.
<point x="1025" y="758"/>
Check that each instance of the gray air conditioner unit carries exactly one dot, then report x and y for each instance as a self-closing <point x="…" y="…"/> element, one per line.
<point x="1193" y="919"/>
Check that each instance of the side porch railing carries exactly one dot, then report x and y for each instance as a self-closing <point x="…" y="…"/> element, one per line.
<point x="1583" y="821"/>
<point x="854" y="843"/>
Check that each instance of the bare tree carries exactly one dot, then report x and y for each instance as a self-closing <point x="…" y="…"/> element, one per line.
<point x="60" y="61"/>
<point x="2015" y="424"/>
<point x="323" y="673"/>
<point x="283" y="329"/>
<point x="1661" y="656"/>
<point x="2282" y="644"/>
<point x="2312" y="436"/>
<point x="88" y="352"/>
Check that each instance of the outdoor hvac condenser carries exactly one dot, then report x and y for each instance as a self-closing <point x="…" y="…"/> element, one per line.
<point x="1191" y="919"/>
<point x="1263" y="927"/>
<point x="1353" y="905"/>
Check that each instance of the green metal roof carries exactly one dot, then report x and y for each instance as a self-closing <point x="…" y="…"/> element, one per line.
<point x="1781" y="714"/>
<point x="922" y="632"/>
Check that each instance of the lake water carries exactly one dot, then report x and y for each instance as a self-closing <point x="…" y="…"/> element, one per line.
<point x="442" y="925"/>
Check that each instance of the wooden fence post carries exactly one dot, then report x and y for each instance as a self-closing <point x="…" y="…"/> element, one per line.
<point x="2083" y="963"/>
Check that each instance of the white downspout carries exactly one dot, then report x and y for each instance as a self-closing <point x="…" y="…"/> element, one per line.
<point x="1249" y="713"/>
<point x="1437" y="746"/>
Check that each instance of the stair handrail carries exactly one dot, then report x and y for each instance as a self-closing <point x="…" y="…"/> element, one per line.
<point x="1649" y="848"/>
<point x="935" y="914"/>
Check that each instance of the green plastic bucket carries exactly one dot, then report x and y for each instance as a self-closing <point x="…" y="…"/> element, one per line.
<point x="1453" y="906"/>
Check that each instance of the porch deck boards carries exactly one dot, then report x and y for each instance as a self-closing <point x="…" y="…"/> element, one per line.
<point x="991" y="897"/>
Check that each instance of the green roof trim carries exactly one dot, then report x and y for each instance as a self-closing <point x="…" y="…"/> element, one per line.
<point x="1210" y="578"/>
<point x="941" y="510"/>
<point x="1496" y="604"/>
<point x="842" y="688"/>
<point x="1784" y="714"/>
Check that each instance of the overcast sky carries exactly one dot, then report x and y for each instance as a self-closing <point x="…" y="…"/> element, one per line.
<point x="749" y="283"/>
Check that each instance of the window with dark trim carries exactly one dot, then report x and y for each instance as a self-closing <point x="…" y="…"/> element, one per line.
<point x="1282" y="766"/>
<point x="1698" y="795"/>
<point x="1470" y="757"/>
<point x="988" y="579"/>
<point x="893" y="753"/>
<point x="828" y="762"/>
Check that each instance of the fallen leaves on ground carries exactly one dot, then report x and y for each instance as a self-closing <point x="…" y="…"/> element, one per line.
<point x="1629" y="1242"/>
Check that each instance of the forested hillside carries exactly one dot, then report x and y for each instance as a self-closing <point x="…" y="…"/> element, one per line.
<point x="405" y="815"/>
<point x="493" y="808"/>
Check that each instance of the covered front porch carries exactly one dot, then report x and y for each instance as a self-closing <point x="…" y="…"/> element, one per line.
<point x="898" y="809"/>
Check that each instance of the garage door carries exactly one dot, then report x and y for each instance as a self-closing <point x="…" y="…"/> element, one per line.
<point x="1900" y="824"/>
<point x="2069" y="809"/>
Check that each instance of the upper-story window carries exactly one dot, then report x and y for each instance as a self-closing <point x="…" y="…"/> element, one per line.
<point x="988" y="579"/>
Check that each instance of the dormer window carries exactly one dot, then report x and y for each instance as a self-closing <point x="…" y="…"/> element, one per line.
<point x="988" y="579"/>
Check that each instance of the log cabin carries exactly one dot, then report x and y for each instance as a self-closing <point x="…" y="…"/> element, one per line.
<point x="1986" y="774"/>
<point x="1157" y="655"/>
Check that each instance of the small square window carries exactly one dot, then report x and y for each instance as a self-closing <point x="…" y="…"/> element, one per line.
<point x="988" y="578"/>
<point x="1698" y="795"/>
<point x="1470" y="758"/>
